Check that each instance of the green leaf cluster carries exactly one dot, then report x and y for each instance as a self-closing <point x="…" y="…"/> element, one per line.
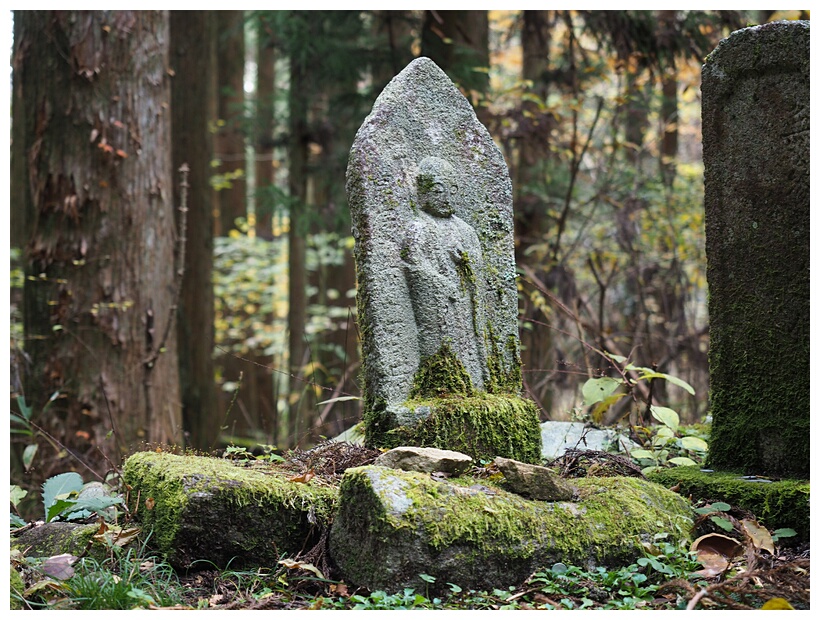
<point x="664" y="446"/>
<point x="66" y="496"/>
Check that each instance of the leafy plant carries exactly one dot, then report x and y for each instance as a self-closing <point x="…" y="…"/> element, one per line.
<point x="66" y="496"/>
<point x="716" y="513"/>
<point x="664" y="446"/>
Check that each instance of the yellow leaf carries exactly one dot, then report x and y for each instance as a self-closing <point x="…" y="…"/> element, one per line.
<point x="777" y="603"/>
<point x="289" y="563"/>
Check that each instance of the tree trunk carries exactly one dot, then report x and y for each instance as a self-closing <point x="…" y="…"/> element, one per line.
<point x="535" y="133"/>
<point x="100" y="263"/>
<point x="230" y="140"/>
<point x="265" y="124"/>
<point x="193" y="105"/>
<point x="19" y="186"/>
<point x="297" y="244"/>
<point x="637" y="114"/>
<point x="669" y="104"/>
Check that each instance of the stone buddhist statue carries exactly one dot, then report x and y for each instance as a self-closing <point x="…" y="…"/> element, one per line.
<point x="445" y="272"/>
<point x="431" y="211"/>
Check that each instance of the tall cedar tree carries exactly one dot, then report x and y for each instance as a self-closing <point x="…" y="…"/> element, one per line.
<point x="100" y="261"/>
<point x="230" y="140"/>
<point x="193" y="105"/>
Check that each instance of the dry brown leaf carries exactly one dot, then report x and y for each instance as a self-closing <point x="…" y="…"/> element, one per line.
<point x="758" y="534"/>
<point x="303" y="478"/>
<point x="715" y="552"/>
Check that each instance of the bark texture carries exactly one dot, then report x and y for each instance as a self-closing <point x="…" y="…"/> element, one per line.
<point x="100" y="261"/>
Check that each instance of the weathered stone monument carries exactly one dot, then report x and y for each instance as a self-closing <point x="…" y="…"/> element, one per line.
<point x="431" y="204"/>
<point x="756" y="153"/>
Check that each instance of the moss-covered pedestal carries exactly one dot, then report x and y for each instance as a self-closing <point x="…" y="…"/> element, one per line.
<point x="393" y="526"/>
<point x="444" y="411"/>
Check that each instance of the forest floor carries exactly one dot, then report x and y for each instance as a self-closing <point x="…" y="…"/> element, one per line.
<point x="782" y="577"/>
<point x="759" y="572"/>
<point x="751" y="578"/>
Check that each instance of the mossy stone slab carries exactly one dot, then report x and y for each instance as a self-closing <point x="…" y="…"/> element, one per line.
<point x="49" y="539"/>
<point x="208" y="509"/>
<point x="392" y="526"/>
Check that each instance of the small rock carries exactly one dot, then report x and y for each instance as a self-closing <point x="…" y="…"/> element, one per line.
<point x="426" y="460"/>
<point x="534" y="481"/>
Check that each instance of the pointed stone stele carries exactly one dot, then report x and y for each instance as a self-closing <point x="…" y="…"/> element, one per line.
<point x="431" y="210"/>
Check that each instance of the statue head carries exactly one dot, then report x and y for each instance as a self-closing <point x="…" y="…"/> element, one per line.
<point x="437" y="186"/>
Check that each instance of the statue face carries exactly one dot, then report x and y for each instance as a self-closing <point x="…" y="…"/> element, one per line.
<point x="434" y="194"/>
<point x="436" y="187"/>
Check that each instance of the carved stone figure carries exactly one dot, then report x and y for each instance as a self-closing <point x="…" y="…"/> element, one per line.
<point x="445" y="272"/>
<point x="431" y="211"/>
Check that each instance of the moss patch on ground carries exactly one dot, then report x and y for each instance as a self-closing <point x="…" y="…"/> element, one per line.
<point x="205" y="508"/>
<point x="784" y="503"/>
<point x="394" y="525"/>
<point x="59" y="537"/>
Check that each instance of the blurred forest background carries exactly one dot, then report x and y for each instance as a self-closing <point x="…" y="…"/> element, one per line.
<point x="216" y="306"/>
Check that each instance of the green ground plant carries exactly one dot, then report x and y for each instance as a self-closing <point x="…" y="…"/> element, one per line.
<point x="665" y="444"/>
<point x="128" y="579"/>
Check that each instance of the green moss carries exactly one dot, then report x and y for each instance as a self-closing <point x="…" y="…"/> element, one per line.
<point x="194" y="497"/>
<point x="784" y="503"/>
<point x="503" y="379"/>
<point x="426" y="183"/>
<point x="59" y="537"/>
<point x="464" y="267"/>
<point x="16" y="587"/>
<point x="441" y="374"/>
<point x="482" y="426"/>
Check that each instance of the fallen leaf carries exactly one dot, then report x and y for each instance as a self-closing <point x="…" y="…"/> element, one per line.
<point x="44" y="584"/>
<point x="715" y="552"/>
<point x="339" y="588"/>
<point x="215" y="600"/>
<point x="289" y="563"/>
<point x="59" y="566"/>
<point x="758" y="534"/>
<point x="777" y="603"/>
<point x="303" y="478"/>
